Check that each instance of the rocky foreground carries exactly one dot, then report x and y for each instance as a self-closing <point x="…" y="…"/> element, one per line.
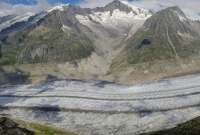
<point x="9" y="127"/>
<point x="17" y="127"/>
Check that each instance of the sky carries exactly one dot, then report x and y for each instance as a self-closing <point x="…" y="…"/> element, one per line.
<point x="190" y="7"/>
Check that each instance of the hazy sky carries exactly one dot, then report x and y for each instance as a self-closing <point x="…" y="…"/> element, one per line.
<point x="191" y="7"/>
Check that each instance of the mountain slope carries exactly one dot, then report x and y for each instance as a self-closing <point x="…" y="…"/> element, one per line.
<point x="118" y="42"/>
<point x="167" y="44"/>
<point x="55" y="37"/>
<point x="111" y="26"/>
<point x="69" y="33"/>
<point x="168" y="34"/>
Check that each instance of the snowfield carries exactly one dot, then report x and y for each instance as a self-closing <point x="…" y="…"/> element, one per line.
<point x="105" y="108"/>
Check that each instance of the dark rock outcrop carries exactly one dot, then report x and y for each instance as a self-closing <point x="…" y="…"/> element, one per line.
<point x="13" y="77"/>
<point x="9" y="127"/>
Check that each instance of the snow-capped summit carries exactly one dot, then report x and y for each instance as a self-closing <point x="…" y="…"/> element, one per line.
<point x="123" y="6"/>
<point x="59" y="8"/>
<point x="118" y="16"/>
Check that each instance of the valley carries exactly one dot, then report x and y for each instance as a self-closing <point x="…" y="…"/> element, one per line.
<point x="112" y="70"/>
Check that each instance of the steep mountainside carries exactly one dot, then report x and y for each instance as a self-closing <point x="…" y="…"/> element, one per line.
<point x="69" y="33"/>
<point x="169" y="34"/>
<point x="167" y="44"/>
<point x="113" y="24"/>
<point x="166" y="36"/>
<point x="55" y="37"/>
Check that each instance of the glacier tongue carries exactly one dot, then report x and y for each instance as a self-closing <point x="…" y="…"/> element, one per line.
<point x="73" y="104"/>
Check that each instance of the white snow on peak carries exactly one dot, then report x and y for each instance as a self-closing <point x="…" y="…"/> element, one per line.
<point x="115" y="20"/>
<point x="181" y="17"/>
<point x="60" y="8"/>
<point x="16" y="19"/>
<point x="116" y="17"/>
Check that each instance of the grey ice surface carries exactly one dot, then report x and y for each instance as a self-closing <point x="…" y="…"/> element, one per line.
<point x="104" y="108"/>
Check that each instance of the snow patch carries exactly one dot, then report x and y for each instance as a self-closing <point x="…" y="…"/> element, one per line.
<point x="59" y="8"/>
<point x="20" y="18"/>
<point x="181" y="17"/>
<point x="186" y="35"/>
<point x="65" y="28"/>
<point x="115" y="19"/>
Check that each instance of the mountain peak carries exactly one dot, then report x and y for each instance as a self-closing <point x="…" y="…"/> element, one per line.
<point x="169" y="15"/>
<point x="123" y="6"/>
<point x="175" y="9"/>
<point x="117" y="4"/>
<point x="59" y="7"/>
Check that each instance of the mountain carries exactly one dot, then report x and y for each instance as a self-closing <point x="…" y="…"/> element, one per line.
<point x="55" y="37"/>
<point x="69" y="33"/>
<point x="118" y="41"/>
<point x="166" y="36"/>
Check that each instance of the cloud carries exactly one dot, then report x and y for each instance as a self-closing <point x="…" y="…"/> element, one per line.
<point x="6" y="8"/>
<point x="94" y="3"/>
<point x="190" y="7"/>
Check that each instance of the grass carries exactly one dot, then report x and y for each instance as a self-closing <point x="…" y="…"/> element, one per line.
<point x="39" y="129"/>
